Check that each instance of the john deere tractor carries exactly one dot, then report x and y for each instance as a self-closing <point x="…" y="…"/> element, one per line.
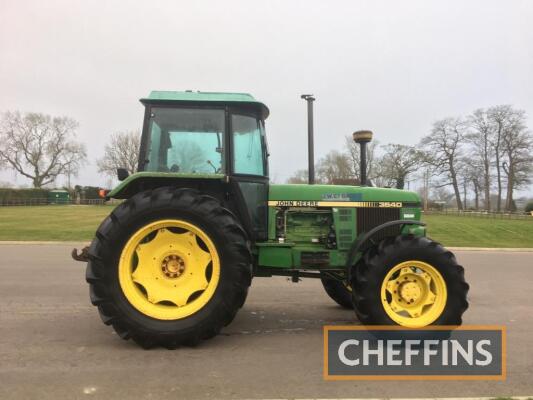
<point x="172" y="264"/>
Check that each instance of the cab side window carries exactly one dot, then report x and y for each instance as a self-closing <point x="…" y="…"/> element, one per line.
<point x="247" y="145"/>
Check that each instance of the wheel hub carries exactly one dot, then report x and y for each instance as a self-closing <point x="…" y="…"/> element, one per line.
<point x="410" y="291"/>
<point x="173" y="266"/>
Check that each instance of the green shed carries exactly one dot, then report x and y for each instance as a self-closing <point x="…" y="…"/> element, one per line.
<point x="58" y="197"/>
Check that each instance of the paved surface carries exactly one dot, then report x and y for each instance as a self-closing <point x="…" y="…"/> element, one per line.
<point x="53" y="344"/>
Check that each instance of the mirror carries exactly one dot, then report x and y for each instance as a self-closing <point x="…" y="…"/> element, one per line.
<point x="122" y="173"/>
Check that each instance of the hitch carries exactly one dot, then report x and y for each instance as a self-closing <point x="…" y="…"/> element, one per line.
<point x="82" y="256"/>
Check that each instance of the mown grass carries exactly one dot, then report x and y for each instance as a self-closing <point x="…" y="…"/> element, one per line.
<point x="78" y="223"/>
<point x="56" y="223"/>
<point x="463" y="231"/>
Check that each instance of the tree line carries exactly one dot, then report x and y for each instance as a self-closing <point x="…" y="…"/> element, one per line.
<point x="488" y="154"/>
<point x="43" y="148"/>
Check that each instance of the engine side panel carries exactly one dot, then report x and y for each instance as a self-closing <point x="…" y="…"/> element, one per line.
<point x="313" y="227"/>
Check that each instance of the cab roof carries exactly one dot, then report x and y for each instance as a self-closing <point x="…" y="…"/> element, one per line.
<point x="190" y="97"/>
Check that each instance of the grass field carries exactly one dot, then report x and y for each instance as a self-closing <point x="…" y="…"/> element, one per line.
<point x="70" y="223"/>
<point x="458" y="231"/>
<point x="78" y="223"/>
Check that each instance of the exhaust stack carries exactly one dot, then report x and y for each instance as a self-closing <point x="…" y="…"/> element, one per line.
<point x="310" y="137"/>
<point x="363" y="137"/>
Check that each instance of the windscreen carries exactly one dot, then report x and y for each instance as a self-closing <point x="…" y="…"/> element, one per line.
<point x="187" y="140"/>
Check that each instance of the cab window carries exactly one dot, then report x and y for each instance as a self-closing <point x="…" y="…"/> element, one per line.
<point x="248" y="145"/>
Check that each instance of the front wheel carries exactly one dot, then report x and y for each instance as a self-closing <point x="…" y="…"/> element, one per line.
<point x="409" y="281"/>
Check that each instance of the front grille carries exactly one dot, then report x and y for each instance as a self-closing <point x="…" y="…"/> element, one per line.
<point x="368" y="218"/>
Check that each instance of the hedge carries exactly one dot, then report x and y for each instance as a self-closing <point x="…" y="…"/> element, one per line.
<point x="7" y="195"/>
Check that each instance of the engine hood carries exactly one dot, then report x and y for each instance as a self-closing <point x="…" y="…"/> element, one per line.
<point x="340" y="193"/>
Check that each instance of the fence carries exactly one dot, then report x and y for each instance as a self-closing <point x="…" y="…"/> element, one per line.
<point x="52" y="202"/>
<point x="482" y="214"/>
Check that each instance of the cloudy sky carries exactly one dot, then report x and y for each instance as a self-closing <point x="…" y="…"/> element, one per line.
<point x="390" y="66"/>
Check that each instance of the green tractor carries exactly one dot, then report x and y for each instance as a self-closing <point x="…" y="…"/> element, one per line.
<point x="172" y="264"/>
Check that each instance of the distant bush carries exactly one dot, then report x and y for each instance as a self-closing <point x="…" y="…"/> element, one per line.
<point x="13" y="195"/>
<point x="529" y="207"/>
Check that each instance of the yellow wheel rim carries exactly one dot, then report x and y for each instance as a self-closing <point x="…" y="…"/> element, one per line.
<point x="169" y="269"/>
<point x="413" y="294"/>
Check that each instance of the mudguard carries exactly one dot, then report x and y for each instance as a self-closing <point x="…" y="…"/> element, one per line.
<point x="357" y="244"/>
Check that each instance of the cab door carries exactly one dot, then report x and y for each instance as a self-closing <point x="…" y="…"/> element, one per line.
<point x="249" y="167"/>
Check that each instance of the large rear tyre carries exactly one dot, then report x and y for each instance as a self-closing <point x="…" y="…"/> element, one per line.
<point x="169" y="267"/>
<point x="339" y="291"/>
<point x="409" y="281"/>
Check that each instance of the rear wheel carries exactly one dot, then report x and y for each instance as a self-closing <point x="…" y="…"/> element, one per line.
<point x="339" y="291"/>
<point x="169" y="267"/>
<point x="409" y="281"/>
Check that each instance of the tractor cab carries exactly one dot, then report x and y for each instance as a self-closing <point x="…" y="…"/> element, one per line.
<point x="205" y="136"/>
<point x="199" y="133"/>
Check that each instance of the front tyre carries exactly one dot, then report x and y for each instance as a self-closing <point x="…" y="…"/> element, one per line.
<point x="409" y="281"/>
<point x="169" y="267"/>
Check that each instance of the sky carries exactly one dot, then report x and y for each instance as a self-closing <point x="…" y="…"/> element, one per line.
<point x="390" y="66"/>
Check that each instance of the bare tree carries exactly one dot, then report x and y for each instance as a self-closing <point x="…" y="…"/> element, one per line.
<point x="380" y="176"/>
<point x="40" y="147"/>
<point x="443" y="151"/>
<point x="517" y="147"/>
<point x="480" y="136"/>
<point x="300" y="176"/>
<point x="499" y="117"/>
<point x="122" y="151"/>
<point x="441" y="195"/>
<point x="398" y="161"/>
<point x="471" y="176"/>
<point x="334" y="165"/>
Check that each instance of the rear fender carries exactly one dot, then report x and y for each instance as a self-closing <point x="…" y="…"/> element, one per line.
<point x="207" y="183"/>
<point x="218" y="186"/>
